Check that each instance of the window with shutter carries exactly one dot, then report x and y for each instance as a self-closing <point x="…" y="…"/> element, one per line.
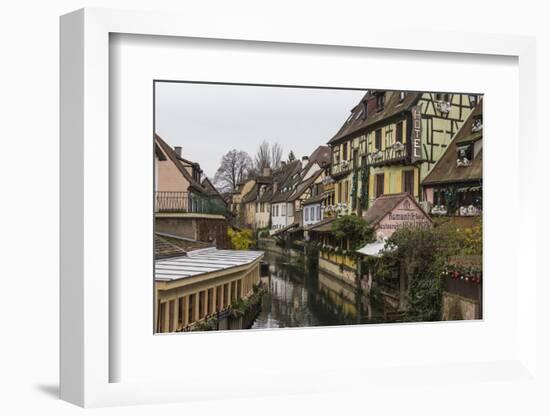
<point x="408" y="182"/>
<point x="378" y="139"/>
<point x="379" y="188"/>
<point x="399" y="132"/>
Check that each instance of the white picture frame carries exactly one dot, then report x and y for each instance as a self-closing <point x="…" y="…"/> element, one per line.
<point x="86" y="355"/>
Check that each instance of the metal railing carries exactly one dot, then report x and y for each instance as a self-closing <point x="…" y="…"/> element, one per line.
<point x="169" y="201"/>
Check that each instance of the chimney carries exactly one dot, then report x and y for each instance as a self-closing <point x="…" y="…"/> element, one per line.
<point x="266" y="172"/>
<point x="275" y="187"/>
<point x="177" y="149"/>
<point x="305" y="160"/>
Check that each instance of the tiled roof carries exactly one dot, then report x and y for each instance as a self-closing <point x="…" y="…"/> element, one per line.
<point x="384" y="204"/>
<point x="287" y="228"/>
<point x="322" y="226"/>
<point x="252" y="195"/>
<point x="171" y="154"/>
<point x="170" y="245"/>
<point x="286" y="179"/>
<point x="302" y="187"/>
<point x="314" y="199"/>
<point x="321" y="156"/>
<point x="392" y="106"/>
<point x="446" y="169"/>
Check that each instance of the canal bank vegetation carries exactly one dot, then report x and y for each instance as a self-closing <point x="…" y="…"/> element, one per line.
<point x="242" y="305"/>
<point x="352" y="231"/>
<point x="240" y="314"/>
<point x="240" y="239"/>
<point x="420" y="259"/>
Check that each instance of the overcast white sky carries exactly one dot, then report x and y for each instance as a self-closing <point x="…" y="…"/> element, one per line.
<point x="208" y="120"/>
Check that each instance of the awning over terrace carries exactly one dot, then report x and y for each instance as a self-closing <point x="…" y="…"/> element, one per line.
<point x="203" y="261"/>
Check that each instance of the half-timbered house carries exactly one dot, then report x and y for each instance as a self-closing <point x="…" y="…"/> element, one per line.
<point x="389" y="143"/>
<point x="454" y="185"/>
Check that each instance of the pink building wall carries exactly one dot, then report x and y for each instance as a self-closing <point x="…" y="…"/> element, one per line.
<point x="405" y="213"/>
<point x="170" y="178"/>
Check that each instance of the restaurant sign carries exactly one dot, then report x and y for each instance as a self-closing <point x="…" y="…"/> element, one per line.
<point x="406" y="213"/>
<point x="416" y="134"/>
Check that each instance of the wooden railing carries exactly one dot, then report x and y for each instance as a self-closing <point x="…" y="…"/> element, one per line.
<point x="389" y="154"/>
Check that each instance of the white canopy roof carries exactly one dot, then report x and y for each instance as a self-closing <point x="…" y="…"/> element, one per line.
<point x="202" y="261"/>
<point x="373" y="249"/>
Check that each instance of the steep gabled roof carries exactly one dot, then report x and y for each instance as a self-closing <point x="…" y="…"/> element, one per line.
<point x="252" y="195"/>
<point x="211" y="189"/>
<point x="171" y="154"/>
<point x="314" y="199"/>
<point x="301" y="188"/>
<point x="392" y="106"/>
<point x="446" y="169"/>
<point x="285" y="178"/>
<point x="158" y="152"/>
<point x="321" y="156"/>
<point x="385" y="204"/>
<point x="267" y="195"/>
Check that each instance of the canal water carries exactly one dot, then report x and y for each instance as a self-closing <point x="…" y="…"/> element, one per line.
<point x="298" y="297"/>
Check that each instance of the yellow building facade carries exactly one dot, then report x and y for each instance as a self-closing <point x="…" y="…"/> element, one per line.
<point x="390" y="142"/>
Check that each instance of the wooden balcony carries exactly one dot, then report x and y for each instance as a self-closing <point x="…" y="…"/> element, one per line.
<point x="342" y="168"/>
<point x="398" y="152"/>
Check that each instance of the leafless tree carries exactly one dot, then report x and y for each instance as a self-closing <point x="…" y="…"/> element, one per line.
<point x="268" y="156"/>
<point x="263" y="157"/>
<point x="276" y="155"/>
<point x="235" y="167"/>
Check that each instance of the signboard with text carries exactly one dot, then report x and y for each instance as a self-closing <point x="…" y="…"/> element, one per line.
<point x="416" y="134"/>
<point x="406" y="213"/>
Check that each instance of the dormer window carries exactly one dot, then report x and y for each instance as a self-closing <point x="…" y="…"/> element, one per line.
<point x="380" y="101"/>
<point x="442" y="97"/>
<point x="365" y="107"/>
<point x="443" y="102"/>
<point x="477" y="123"/>
<point x="464" y="155"/>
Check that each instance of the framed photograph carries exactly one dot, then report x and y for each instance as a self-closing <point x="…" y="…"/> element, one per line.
<point x="378" y="222"/>
<point x="242" y="207"/>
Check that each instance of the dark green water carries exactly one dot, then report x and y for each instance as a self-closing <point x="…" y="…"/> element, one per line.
<point x="298" y="297"/>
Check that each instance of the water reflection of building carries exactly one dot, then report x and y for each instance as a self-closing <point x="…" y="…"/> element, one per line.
<point x="193" y="282"/>
<point x="344" y="300"/>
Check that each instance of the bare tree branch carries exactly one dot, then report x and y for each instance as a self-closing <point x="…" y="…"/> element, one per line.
<point x="276" y="155"/>
<point x="235" y="167"/>
<point x="263" y="157"/>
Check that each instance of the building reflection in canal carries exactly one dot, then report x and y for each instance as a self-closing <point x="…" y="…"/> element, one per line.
<point x="300" y="298"/>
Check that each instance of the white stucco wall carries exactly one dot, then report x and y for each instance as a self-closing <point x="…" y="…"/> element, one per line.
<point x="307" y="212"/>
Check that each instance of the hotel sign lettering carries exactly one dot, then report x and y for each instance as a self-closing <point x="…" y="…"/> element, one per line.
<point x="416" y="134"/>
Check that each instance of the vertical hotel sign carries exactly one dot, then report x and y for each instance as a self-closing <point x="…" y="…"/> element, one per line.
<point x="416" y="135"/>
